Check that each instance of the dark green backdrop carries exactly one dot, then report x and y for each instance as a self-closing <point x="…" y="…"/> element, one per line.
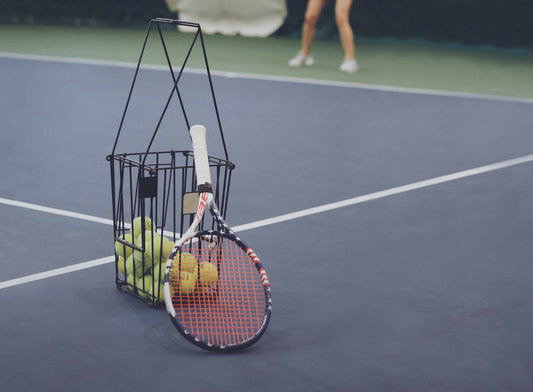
<point x="506" y="23"/>
<point x="479" y="22"/>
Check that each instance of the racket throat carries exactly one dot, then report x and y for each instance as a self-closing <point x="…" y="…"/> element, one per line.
<point x="203" y="188"/>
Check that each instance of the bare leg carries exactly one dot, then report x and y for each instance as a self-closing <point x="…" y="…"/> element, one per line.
<point x="342" y="17"/>
<point x="314" y="8"/>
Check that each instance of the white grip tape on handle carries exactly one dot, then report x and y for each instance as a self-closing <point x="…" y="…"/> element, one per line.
<point x="201" y="160"/>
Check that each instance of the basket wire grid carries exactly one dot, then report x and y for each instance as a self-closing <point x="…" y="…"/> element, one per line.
<point x="154" y="195"/>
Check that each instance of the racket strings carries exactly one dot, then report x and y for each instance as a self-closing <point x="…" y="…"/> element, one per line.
<point x="230" y="310"/>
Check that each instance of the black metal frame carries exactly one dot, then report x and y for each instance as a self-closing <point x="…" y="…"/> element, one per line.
<point x="153" y="184"/>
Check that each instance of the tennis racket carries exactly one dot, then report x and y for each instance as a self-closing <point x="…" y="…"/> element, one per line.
<point x="217" y="292"/>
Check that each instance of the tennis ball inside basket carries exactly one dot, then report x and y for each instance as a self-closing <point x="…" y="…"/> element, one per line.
<point x="186" y="260"/>
<point x="138" y="256"/>
<point x="173" y="274"/>
<point x="121" y="265"/>
<point x="130" y="278"/>
<point x="159" y="270"/>
<point x="159" y="296"/>
<point x="154" y="250"/>
<point x="129" y="267"/>
<point x="149" y="235"/>
<point x="121" y="249"/>
<point x="167" y="248"/>
<point x="137" y="225"/>
<point x="208" y="273"/>
<point x="142" y="263"/>
<point x="187" y="283"/>
<point x="147" y="286"/>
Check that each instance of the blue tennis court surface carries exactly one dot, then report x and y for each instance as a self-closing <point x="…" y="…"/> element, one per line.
<point x="424" y="289"/>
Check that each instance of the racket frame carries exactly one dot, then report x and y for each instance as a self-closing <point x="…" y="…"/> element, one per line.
<point x="206" y="201"/>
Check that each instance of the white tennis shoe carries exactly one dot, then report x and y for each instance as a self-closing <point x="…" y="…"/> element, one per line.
<point x="302" y="60"/>
<point x="349" y="65"/>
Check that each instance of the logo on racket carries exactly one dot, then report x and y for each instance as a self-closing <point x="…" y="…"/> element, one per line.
<point x="202" y="204"/>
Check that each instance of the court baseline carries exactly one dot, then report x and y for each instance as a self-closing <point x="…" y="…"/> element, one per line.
<point x="273" y="78"/>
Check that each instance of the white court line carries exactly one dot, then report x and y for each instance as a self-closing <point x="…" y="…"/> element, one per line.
<point x="264" y="222"/>
<point x="55" y="272"/>
<point x="273" y="78"/>
<point x="56" y="211"/>
<point x="387" y="192"/>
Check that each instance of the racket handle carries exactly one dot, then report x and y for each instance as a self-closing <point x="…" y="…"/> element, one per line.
<point x="201" y="159"/>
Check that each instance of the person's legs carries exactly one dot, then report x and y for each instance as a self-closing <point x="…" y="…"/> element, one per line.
<point x="312" y="13"/>
<point x="342" y="18"/>
<point x="314" y="8"/>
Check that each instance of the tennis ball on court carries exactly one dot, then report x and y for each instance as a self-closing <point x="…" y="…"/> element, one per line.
<point x="137" y="225"/>
<point x="186" y="260"/>
<point x="187" y="283"/>
<point x="208" y="273"/>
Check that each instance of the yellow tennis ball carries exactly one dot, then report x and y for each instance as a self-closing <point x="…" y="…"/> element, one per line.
<point x="173" y="273"/>
<point x="186" y="260"/>
<point x="153" y="253"/>
<point x="208" y="273"/>
<point x="154" y="250"/>
<point x="167" y="248"/>
<point x="144" y="292"/>
<point x="121" y="249"/>
<point x="138" y="255"/>
<point x="159" y="270"/>
<point x="142" y="263"/>
<point x="121" y="265"/>
<point x="187" y="283"/>
<point x="159" y="297"/>
<point x="129" y="266"/>
<point x="137" y="225"/>
<point x="149" y="235"/>
<point x="148" y="253"/>
<point x="130" y="279"/>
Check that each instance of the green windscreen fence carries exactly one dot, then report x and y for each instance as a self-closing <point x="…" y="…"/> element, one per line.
<point x="506" y="23"/>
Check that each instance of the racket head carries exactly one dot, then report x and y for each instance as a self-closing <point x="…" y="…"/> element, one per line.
<point x="221" y="306"/>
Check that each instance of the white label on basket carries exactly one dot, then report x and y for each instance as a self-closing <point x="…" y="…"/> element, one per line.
<point x="190" y="203"/>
